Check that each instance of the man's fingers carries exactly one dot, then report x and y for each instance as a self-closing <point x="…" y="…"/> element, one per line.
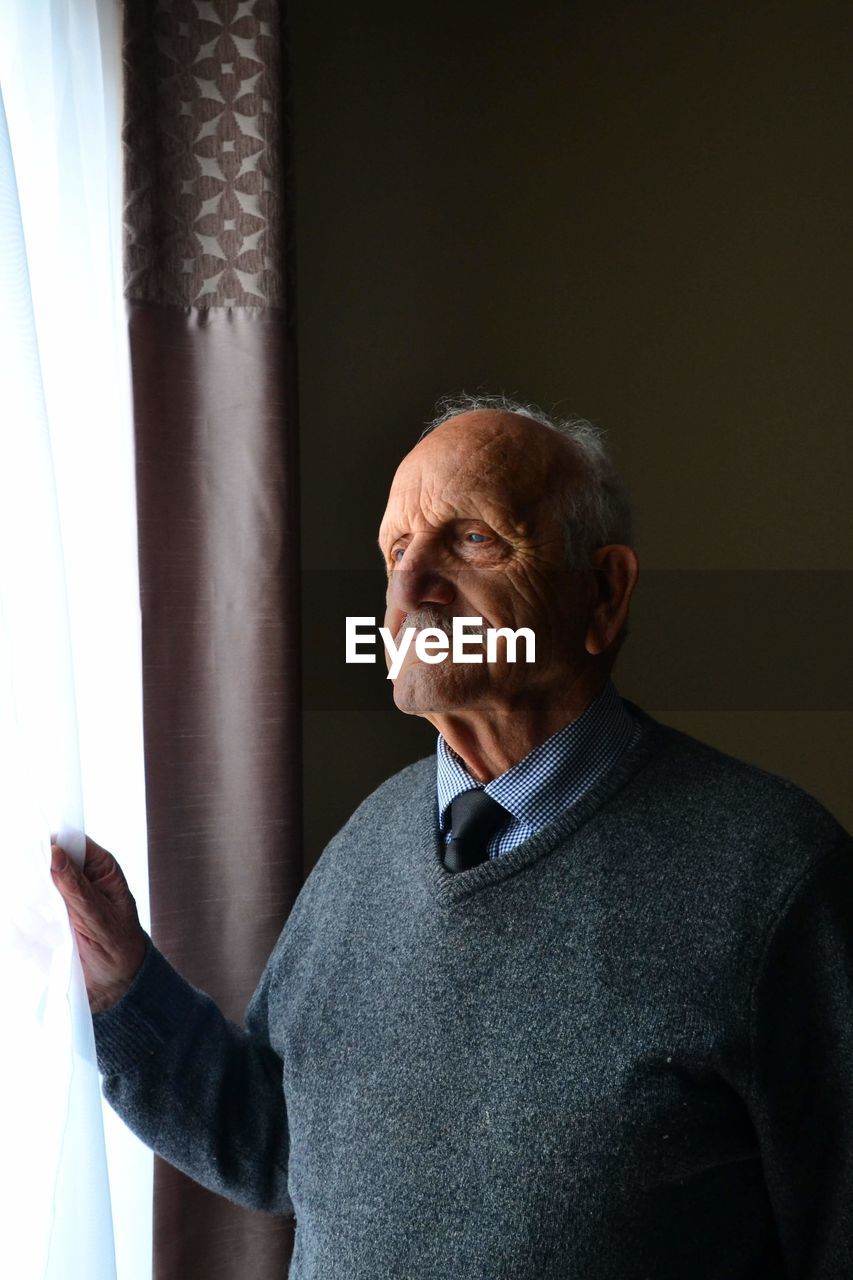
<point x="105" y="874"/>
<point x="103" y="916"/>
<point x="99" y="864"/>
<point x="95" y="853"/>
<point x="69" y="880"/>
<point x="98" y="900"/>
<point x="64" y="870"/>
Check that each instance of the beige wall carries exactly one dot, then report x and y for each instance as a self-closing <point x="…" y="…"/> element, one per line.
<point x="643" y="213"/>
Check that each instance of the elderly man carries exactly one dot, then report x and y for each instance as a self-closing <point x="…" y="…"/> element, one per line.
<point x="572" y="998"/>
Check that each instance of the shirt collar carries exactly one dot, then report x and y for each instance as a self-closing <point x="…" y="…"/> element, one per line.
<point x="538" y="787"/>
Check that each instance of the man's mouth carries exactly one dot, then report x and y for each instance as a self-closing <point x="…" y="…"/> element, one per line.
<point x="423" y="619"/>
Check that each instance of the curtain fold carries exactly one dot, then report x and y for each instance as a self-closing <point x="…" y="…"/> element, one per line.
<point x="52" y="1132"/>
<point x="70" y="698"/>
<point x="210" y="309"/>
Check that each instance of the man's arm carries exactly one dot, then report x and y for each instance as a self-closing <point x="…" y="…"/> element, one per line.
<point x="802" y="1081"/>
<point x="204" y="1094"/>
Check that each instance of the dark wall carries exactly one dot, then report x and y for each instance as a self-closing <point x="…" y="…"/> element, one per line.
<point x="641" y="213"/>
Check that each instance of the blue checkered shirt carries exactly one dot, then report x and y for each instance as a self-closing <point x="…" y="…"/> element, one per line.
<point x="551" y="777"/>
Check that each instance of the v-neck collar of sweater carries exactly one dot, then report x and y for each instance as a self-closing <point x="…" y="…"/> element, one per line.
<point x="552" y="776"/>
<point x="450" y="888"/>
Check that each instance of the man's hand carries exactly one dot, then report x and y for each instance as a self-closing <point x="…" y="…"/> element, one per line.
<point x="110" y="939"/>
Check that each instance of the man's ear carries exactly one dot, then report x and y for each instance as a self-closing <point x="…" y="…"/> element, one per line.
<point x="615" y="570"/>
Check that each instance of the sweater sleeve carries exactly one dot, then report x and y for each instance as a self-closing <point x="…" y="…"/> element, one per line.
<point x="203" y="1093"/>
<point x="802" y="1069"/>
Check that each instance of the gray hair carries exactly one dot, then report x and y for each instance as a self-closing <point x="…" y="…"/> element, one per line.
<point x="599" y="508"/>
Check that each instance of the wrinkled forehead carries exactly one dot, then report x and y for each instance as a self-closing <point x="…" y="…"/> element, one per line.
<point x="492" y="471"/>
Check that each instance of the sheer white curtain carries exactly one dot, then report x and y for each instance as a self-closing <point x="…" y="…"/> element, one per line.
<point x="70" y="686"/>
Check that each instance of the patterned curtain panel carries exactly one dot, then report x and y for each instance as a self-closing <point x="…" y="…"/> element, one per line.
<point x="210" y="308"/>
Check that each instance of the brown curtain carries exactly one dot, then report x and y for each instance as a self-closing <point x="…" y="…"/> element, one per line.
<point x="210" y="304"/>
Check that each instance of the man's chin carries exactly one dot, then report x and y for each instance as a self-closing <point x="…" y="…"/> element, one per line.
<point x="422" y="690"/>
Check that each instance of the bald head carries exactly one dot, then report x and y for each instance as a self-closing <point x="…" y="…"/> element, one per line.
<point x="598" y="509"/>
<point x="504" y="448"/>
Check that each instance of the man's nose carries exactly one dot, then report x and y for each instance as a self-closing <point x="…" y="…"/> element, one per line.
<point x="421" y="577"/>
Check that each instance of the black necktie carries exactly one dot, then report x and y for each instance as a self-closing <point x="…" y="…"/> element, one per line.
<point x="474" y="818"/>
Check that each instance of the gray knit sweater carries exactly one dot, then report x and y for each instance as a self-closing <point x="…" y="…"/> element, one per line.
<point x="624" y="1049"/>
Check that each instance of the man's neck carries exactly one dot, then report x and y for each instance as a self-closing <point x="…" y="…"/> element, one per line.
<point x="491" y="739"/>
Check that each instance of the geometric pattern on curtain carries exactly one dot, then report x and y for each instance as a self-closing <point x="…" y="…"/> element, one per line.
<point x="204" y="188"/>
<point x="210" y="304"/>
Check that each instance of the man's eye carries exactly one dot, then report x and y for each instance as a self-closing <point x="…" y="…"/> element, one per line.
<point x="476" y="537"/>
<point x="397" y="554"/>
